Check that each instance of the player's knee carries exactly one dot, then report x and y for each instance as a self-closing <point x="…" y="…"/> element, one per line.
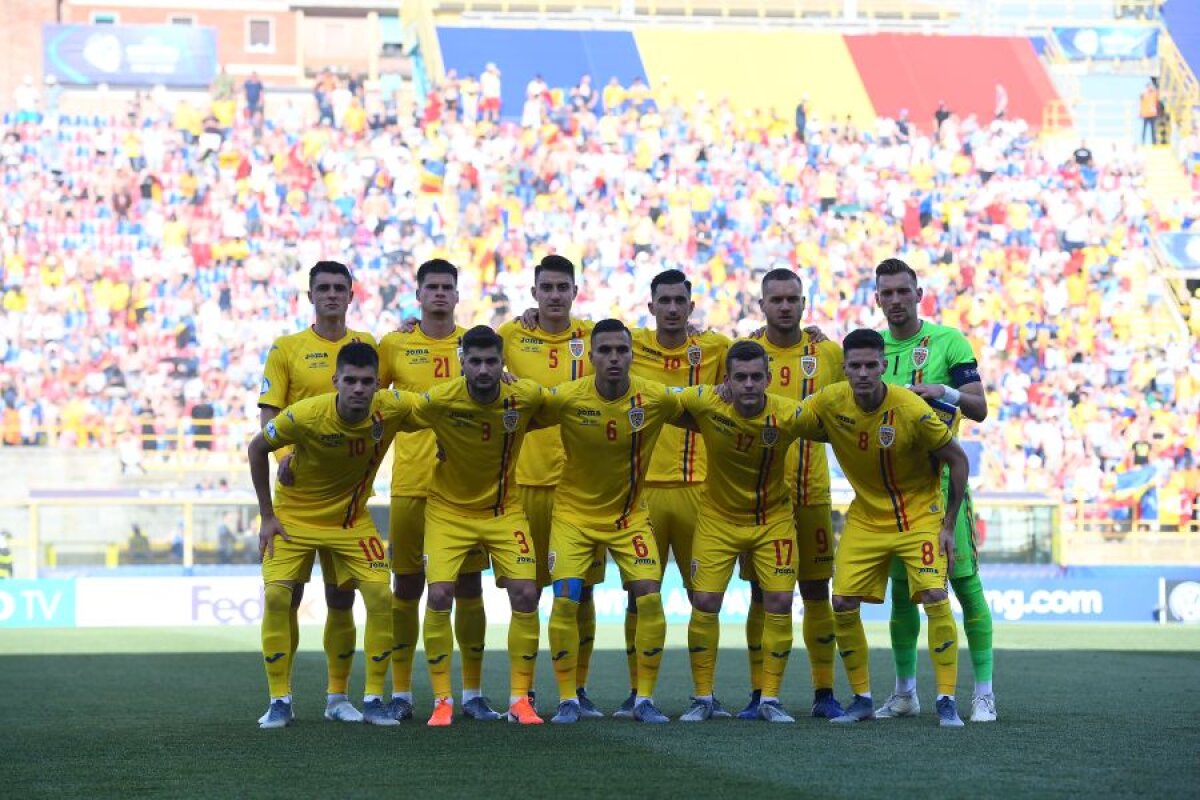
<point x="814" y="591"/>
<point x="297" y="594"/>
<point x="277" y="598"/>
<point x="933" y="596"/>
<point x="338" y="598"/>
<point x="708" y="602"/>
<point x="777" y="602"/>
<point x="756" y="592"/>
<point x="641" y="588"/>
<point x="523" y="595"/>
<point x="410" y="587"/>
<point x="376" y="598"/>
<point x="569" y="588"/>
<point x="441" y="596"/>
<point x="468" y="585"/>
<point x="842" y="603"/>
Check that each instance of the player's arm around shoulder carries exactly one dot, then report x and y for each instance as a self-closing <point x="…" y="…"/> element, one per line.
<point x="553" y="402"/>
<point x="276" y="377"/>
<point x="807" y="420"/>
<point x="388" y="346"/>
<point x="693" y="400"/>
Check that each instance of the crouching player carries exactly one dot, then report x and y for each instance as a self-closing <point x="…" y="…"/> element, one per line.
<point x="339" y="439"/>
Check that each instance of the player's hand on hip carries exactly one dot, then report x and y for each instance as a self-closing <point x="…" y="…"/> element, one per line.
<point x="928" y="391"/>
<point x="529" y="319"/>
<point x="507" y="378"/>
<point x="270" y="528"/>
<point x="695" y="330"/>
<point x="408" y="325"/>
<point x="946" y="545"/>
<point x="285" y="475"/>
<point x="815" y="335"/>
<point x="723" y="391"/>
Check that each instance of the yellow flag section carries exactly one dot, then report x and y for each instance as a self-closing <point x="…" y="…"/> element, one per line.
<point x="757" y="69"/>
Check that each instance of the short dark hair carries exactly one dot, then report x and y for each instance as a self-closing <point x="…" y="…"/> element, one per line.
<point x="670" y="277"/>
<point x="611" y="326"/>
<point x="863" y="339"/>
<point x="482" y="337"/>
<point x="745" y="350"/>
<point x="331" y="267"/>
<point x="779" y="274"/>
<point x="555" y="263"/>
<point x="357" y="354"/>
<point x="894" y="266"/>
<point x="436" y="266"/>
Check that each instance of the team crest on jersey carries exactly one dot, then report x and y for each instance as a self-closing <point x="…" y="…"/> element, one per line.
<point x="377" y="429"/>
<point x="770" y="436"/>
<point x="695" y="355"/>
<point x="637" y="418"/>
<point x="266" y="385"/>
<point x="919" y="356"/>
<point x="808" y="365"/>
<point x="887" y="435"/>
<point x="511" y="419"/>
<point x="576" y="348"/>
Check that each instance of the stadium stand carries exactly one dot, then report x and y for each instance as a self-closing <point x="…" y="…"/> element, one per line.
<point x="151" y="254"/>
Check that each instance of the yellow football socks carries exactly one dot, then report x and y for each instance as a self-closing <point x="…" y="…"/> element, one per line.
<point x="587" y="641"/>
<point x="564" y="639"/>
<point x="755" y="619"/>
<point x="340" y="639"/>
<point x="439" y="648"/>
<point x="650" y="639"/>
<point x="776" y="648"/>
<point x="704" y="636"/>
<point x="820" y="641"/>
<point x="276" y="637"/>
<point x="852" y="646"/>
<point x="943" y="646"/>
<point x="406" y="625"/>
<point x="523" y="633"/>
<point x="470" y="630"/>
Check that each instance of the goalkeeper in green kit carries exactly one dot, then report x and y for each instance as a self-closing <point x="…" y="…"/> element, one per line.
<point x="937" y="363"/>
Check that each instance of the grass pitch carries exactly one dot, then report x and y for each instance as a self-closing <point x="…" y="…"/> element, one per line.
<point x="1095" y="710"/>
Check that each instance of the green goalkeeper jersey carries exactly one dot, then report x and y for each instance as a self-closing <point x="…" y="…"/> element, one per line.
<point x="934" y="354"/>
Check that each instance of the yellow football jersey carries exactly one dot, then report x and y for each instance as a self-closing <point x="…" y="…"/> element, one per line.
<point x="885" y="455"/>
<point x="608" y="445"/>
<point x="414" y="362"/>
<point x="746" y="480"/>
<point x="480" y="444"/>
<point x="797" y="372"/>
<point x="548" y="359"/>
<point x="336" y="461"/>
<point x="678" y="458"/>
<point x="301" y="365"/>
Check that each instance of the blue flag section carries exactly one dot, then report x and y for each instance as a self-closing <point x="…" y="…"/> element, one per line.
<point x="130" y="55"/>
<point x="1182" y="251"/>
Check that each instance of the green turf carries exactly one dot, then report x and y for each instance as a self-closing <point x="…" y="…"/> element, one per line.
<point x="1101" y="710"/>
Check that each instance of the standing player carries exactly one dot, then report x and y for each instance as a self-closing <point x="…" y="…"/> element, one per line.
<point x="609" y="424"/>
<point x="473" y="504"/>
<point x="416" y="361"/>
<point x="884" y="437"/>
<point x="800" y="366"/>
<point x="300" y="366"/>
<point x="672" y="355"/>
<point x="746" y="508"/>
<point x="340" y="440"/>
<point x="550" y="354"/>
<point x="937" y="363"/>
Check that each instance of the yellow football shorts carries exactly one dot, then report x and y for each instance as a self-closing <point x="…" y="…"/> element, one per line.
<point x="406" y="535"/>
<point x="356" y="554"/>
<point x="860" y="568"/>
<point x="326" y="566"/>
<point x="451" y="539"/>
<point x="573" y="550"/>
<point x="673" y="512"/>
<point x="814" y="540"/>
<point x="770" y="553"/>
<point x="538" y="502"/>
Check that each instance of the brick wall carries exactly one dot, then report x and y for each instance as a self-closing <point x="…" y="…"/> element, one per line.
<point x="21" y="42"/>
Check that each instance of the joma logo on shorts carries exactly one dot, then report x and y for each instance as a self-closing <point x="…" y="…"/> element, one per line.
<point x="784" y="571"/>
<point x="644" y="562"/>
<point x="927" y="571"/>
<point x="377" y="565"/>
<point x="524" y="560"/>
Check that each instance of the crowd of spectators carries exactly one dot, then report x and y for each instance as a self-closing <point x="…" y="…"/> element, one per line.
<point x="150" y="256"/>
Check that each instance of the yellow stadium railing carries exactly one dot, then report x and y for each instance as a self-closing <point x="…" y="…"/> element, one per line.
<point x="1180" y="93"/>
